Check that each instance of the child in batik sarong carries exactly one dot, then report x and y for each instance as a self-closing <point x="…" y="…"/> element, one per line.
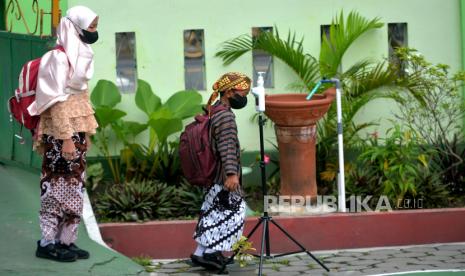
<point x="62" y="136"/>
<point x="222" y="214"/>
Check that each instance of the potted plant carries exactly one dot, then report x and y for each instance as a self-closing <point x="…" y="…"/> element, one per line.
<point x="242" y="265"/>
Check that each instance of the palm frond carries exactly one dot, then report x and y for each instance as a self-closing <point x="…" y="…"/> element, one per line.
<point x="370" y="78"/>
<point x="342" y="34"/>
<point x="235" y="48"/>
<point x="289" y="50"/>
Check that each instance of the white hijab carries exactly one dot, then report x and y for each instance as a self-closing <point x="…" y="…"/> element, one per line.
<point x="62" y="74"/>
<point x="80" y="54"/>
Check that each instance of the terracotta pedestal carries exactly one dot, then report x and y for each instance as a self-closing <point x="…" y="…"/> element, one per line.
<point x="295" y="125"/>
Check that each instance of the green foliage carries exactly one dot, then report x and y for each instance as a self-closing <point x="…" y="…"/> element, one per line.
<point x="157" y="159"/>
<point x="147" y="179"/>
<point x="136" y="201"/>
<point x="105" y="93"/>
<point x="146" y="100"/>
<point x="435" y="109"/>
<point x="94" y="175"/>
<point x="343" y="32"/>
<point x="188" y="200"/>
<point x="399" y="166"/>
<point x="400" y="161"/>
<point x="241" y="249"/>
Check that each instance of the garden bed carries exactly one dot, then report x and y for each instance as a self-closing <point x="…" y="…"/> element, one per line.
<point x="173" y="239"/>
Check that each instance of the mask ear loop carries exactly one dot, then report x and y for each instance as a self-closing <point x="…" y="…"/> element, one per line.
<point x="76" y="27"/>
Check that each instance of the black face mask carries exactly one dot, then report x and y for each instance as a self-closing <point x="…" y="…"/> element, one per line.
<point x="238" y="101"/>
<point x="89" y="37"/>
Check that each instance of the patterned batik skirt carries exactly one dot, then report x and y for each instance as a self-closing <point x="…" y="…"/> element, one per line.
<point x="61" y="189"/>
<point x="221" y="219"/>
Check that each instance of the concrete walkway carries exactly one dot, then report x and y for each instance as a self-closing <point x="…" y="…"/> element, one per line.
<point x="19" y="232"/>
<point x="437" y="257"/>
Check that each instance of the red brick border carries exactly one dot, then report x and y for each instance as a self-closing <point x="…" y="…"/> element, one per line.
<point x="173" y="239"/>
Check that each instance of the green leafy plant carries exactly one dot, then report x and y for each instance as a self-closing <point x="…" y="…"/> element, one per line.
<point x="436" y="110"/>
<point x="241" y="249"/>
<point x="398" y="162"/>
<point x="158" y="157"/>
<point x="94" y="175"/>
<point x="135" y="201"/>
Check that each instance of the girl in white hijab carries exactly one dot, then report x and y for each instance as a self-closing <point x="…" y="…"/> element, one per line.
<point x="66" y="122"/>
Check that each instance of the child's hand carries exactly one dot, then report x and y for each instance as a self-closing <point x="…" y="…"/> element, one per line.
<point x="68" y="150"/>
<point x="232" y="183"/>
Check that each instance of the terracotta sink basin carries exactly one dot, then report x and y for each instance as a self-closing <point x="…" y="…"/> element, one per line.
<point x="295" y="125"/>
<point x="295" y="110"/>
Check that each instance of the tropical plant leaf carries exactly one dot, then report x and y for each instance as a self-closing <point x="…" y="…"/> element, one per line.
<point x="165" y="127"/>
<point x="106" y="115"/>
<point x="184" y="104"/>
<point x="105" y="93"/>
<point x="342" y="34"/>
<point x="289" y="50"/>
<point x="146" y="100"/>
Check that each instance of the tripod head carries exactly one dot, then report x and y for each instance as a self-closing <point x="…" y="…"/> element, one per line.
<point x="259" y="93"/>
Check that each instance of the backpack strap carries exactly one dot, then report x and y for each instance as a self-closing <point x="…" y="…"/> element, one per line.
<point x="215" y="109"/>
<point x="59" y="48"/>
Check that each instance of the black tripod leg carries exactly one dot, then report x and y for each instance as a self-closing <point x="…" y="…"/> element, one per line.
<point x="265" y="229"/>
<point x="260" y="220"/>
<point x="300" y="245"/>
<point x="267" y="239"/>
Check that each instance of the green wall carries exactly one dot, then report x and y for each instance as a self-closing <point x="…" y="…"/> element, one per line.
<point x="433" y="28"/>
<point x="30" y="15"/>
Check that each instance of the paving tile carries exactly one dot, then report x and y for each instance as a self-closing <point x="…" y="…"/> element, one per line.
<point x="353" y="268"/>
<point x="435" y="258"/>
<point x="301" y="263"/>
<point x="384" y="251"/>
<point x="420" y="249"/>
<point x="373" y="271"/>
<point x="374" y="257"/>
<point x="340" y="259"/>
<point x="293" y="268"/>
<point x="349" y="254"/>
<point x="451" y="247"/>
<point x="167" y="270"/>
<point x="281" y="274"/>
<point x="175" y="265"/>
<point x="366" y="262"/>
<point x="411" y="255"/>
<point x="447" y="253"/>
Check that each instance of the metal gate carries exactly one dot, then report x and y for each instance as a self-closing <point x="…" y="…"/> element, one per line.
<point x="15" y="50"/>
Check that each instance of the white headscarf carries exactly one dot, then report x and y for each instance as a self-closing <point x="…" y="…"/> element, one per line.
<point x="61" y="74"/>
<point x="80" y="54"/>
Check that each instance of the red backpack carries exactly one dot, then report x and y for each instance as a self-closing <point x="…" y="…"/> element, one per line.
<point x="198" y="162"/>
<point x="25" y="94"/>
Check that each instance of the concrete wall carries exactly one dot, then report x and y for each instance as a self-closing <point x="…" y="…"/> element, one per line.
<point x="433" y="28"/>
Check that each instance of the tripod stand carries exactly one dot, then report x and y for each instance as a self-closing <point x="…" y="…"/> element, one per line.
<point x="265" y="219"/>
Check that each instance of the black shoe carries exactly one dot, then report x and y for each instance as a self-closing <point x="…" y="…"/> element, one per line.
<point x="226" y="260"/>
<point x="208" y="261"/>
<point x="80" y="253"/>
<point x="53" y="252"/>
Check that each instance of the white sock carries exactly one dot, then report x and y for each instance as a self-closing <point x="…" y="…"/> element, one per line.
<point x="199" y="250"/>
<point x="44" y="242"/>
<point x="209" y="251"/>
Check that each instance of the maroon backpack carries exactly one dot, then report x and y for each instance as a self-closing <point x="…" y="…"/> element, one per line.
<point x="198" y="162"/>
<point x="25" y="94"/>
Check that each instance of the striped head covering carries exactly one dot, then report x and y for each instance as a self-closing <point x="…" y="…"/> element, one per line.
<point x="228" y="81"/>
